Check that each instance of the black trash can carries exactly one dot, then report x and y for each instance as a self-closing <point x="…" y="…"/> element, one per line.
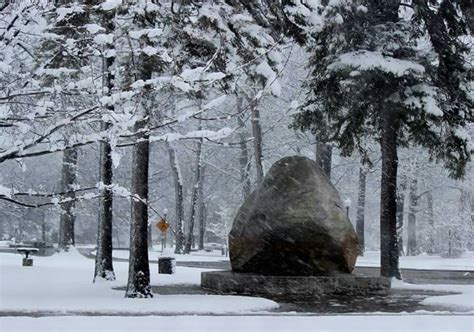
<point x="166" y="265"/>
<point x="27" y="261"/>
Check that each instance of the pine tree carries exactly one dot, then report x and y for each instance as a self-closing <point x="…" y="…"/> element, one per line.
<point x="370" y="79"/>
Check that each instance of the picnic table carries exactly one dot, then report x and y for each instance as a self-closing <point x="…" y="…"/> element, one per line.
<point x="27" y="251"/>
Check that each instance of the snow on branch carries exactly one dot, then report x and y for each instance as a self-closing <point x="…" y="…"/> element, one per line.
<point x="181" y="118"/>
<point x="368" y="60"/>
<point x="10" y="194"/>
<point x="207" y="134"/>
<point x="18" y="150"/>
<point x="423" y="96"/>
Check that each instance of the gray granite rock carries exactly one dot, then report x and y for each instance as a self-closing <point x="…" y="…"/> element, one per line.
<point x="293" y="224"/>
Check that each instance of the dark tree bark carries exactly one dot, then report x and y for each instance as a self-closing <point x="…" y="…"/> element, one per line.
<point x="400" y="212"/>
<point x="194" y="199"/>
<point x="244" y="159"/>
<point x="412" y="248"/>
<point x="103" y="261"/>
<point x="471" y="225"/>
<point x="257" y="141"/>
<point x="139" y="271"/>
<point x="179" y="200"/>
<point x="360" y="219"/>
<point x="324" y="157"/>
<point x="431" y="223"/>
<point x="202" y="211"/>
<point x="466" y="210"/>
<point x="43" y="230"/>
<point x="389" y="265"/>
<point x="67" y="219"/>
<point x="386" y="11"/>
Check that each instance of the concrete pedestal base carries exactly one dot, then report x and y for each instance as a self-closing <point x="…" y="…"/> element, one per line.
<point x="227" y="282"/>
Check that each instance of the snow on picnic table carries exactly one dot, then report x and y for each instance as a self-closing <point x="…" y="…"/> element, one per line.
<point x="63" y="283"/>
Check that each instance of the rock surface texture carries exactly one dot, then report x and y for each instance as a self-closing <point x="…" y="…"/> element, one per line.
<point x="293" y="224"/>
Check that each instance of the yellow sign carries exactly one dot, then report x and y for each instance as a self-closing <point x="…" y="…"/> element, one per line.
<point x="162" y="225"/>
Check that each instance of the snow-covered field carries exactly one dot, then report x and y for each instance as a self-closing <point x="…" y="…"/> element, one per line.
<point x="62" y="284"/>
<point x="423" y="261"/>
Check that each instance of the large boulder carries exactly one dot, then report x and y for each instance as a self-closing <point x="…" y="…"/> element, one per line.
<point x="293" y="224"/>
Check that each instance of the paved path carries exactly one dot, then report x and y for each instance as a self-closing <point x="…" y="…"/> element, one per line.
<point x="399" y="300"/>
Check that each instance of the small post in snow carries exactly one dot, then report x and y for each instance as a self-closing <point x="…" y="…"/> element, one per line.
<point x="347" y="205"/>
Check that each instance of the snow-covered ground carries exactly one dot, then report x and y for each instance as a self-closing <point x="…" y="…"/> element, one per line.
<point x="464" y="300"/>
<point x="370" y="259"/>
<point x="195" y="256"/>
<point x="373" y="323"/>
<point x="63" y="283"/>
<point x="423" y="261"/>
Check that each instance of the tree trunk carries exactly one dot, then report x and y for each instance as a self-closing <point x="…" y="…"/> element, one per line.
<point x="43" y="231"/>
<point x="194" y="199"/>
<point x="389" y="266"/>
<point x="360" y="220"/>
<point x="244" y="154"/>
<point x="178" y="193"/>
<point x="324" y="157"/>
<point x="412" y="249"/>
<point x="138" y="284"/>
<point x="387" y="11"/>
<point x="257" y="141"/>
<point x="471" y="225"/>
<point x="139" y="271"/>
<point x="463" y="235"/>
<point x="67" y="219"/>
<point x="103" y="261"/>
<point x="431" y="241"/>
<point x="400" y="213"/>
<point x="202" y="211"/>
